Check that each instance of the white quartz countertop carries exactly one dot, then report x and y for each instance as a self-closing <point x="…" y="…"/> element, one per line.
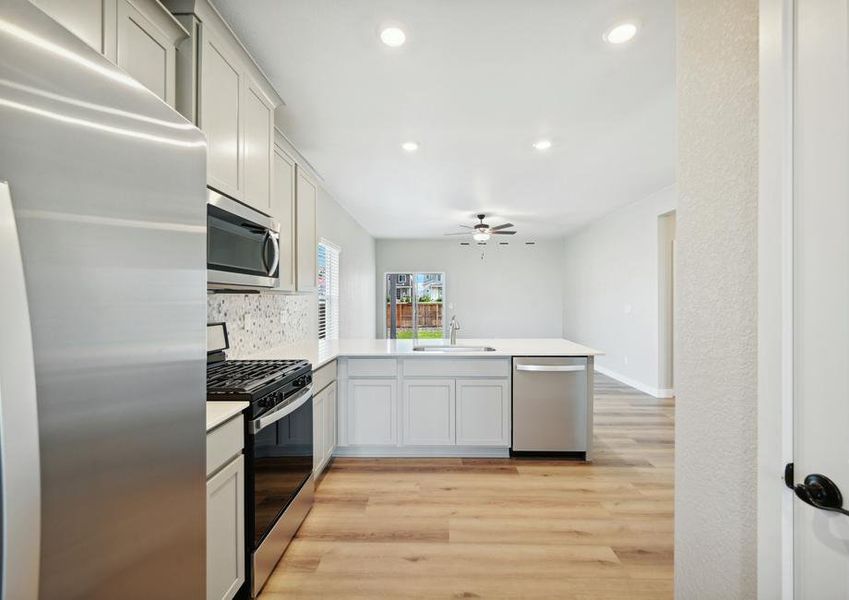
<point x="320" y="353"/>
<point x="221" y="412"/>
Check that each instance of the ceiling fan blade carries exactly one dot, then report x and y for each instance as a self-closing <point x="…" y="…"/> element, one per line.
<point x="466" y="226"/>
<point x="498" y="227"/>
<point x="503" y="232"/>
<point x="458" y="233"/>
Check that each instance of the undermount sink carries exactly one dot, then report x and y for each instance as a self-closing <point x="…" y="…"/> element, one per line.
<point x="455" y="348"/>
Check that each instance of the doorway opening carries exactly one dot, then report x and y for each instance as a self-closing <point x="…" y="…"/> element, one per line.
<point x="666" y="302"/>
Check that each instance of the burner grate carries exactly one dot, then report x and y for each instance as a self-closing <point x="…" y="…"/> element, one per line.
<point x="246" y="375"/>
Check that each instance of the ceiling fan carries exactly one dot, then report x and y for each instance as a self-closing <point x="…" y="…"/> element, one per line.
<point x="481" y="232"/>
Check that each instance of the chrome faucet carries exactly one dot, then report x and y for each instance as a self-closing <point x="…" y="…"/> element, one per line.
<point x="453" y="327"/>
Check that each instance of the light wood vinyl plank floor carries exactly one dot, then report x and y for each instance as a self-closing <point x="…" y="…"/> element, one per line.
<point x="498" y="528"/>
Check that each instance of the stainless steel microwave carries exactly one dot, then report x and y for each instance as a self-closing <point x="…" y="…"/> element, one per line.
<point x="242" y="244"/>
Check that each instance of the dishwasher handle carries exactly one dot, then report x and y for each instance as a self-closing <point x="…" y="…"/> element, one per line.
<point x="552" y="368"/>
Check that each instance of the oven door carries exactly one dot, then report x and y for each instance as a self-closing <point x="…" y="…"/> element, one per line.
<point x="243" y="245"/>
<point x="282" y="461"/>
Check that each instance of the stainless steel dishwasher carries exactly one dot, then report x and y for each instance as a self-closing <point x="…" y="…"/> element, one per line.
<point x="552" y="406"/>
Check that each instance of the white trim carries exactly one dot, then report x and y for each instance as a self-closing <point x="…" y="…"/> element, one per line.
<point x="775" y="298"/>
<point x="421" y="451"/>
<point x="639" y="385"/>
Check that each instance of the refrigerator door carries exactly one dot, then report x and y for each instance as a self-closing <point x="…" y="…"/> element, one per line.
<point x="20" y="490"/>
<point x="108" y="191"/>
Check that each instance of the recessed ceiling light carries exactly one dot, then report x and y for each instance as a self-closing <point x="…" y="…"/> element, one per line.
<point x="621" y="33"/>
<point x="393" y="36"/>
<point x="410" y="146"/>
<point x="542" y="145"/>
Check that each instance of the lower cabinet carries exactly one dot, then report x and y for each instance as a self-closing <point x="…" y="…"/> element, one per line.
<point x="428" y="412"/>
<point x="424" y="407"/>
<point x="371" y="412"/>
<point x="329" y="437"/>
<point x="225" y="511"/>
<point x="324" y="416"/>
<point x="483" y="412"/>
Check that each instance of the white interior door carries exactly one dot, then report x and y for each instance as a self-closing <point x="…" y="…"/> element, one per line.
<point x="821" y="291"/>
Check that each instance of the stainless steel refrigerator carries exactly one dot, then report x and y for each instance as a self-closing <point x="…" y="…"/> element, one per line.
<point x="102" y="326"/>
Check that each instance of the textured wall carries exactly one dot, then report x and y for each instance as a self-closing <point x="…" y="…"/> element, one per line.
<point x="716" y="311"/>
<point x="609" y="265"/>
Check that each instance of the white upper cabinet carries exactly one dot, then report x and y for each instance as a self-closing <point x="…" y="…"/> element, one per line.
<point x="83" y="18"/>
<point x="283" y="209"/>
<point x="140" y="36"/>
<point x="219" y="103"/>
<point x="220" y="87"/>
<point x="307" y="194"/>
<point x="258" y="146"/>
<point x="146" y="45"/>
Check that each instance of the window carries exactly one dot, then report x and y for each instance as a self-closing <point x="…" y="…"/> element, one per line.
<point x="328" y="291"/>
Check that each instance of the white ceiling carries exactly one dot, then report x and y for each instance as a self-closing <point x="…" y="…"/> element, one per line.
<point x="477" y="82"/>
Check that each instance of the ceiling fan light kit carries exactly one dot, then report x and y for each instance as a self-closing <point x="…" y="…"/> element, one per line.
<point x="481" y="231"/>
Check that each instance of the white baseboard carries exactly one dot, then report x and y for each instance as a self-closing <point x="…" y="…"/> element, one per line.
<point x="421" y="452"/>
<point x="646" y="389"/>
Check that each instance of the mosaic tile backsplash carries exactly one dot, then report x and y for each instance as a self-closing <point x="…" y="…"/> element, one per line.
<point x="256" y="322"/>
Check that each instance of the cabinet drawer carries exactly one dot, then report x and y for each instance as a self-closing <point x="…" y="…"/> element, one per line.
<point x="324" y="376"/>
<point x="456" y="367"/>
<point x="372" y="367"/>
<point x="223" y="443"/>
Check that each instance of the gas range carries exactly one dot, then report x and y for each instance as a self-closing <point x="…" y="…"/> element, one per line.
<point x="278" y="451"/>
<point x="264" y="383"/>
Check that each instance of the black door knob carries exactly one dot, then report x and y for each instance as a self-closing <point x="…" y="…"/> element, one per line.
<point x="821" y="492"/>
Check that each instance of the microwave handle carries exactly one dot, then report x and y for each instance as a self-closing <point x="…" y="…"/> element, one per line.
<point x="275" y="240"/>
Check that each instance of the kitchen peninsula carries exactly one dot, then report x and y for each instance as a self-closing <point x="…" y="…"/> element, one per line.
<point x="425" y="398"/>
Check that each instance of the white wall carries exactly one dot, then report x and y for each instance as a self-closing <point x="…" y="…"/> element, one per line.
<point x="716" y="303"/>
<point x="514" y="292"/>
<point x="356" y="266"/>
<point x="610" y="267"/>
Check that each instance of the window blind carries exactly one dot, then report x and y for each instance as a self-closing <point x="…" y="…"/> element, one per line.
<point x="328" y="291"/>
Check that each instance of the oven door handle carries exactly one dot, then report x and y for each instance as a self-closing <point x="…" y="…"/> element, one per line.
<point x="267" y="419"/>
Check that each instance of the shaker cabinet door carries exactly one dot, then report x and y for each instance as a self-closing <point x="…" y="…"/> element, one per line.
<point x="428" y="412"/>
<point x="371" y="412"/>
<point x="483" y="412"/>
<point x="330" y="422"/>
<point x="283" y="210"/>
<point x="307" y="193"/>
<point x="258" y="146"/>
<point x="146" y="52"/>
<point x="225" y="531"/>
<point x="219" y="115"/>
